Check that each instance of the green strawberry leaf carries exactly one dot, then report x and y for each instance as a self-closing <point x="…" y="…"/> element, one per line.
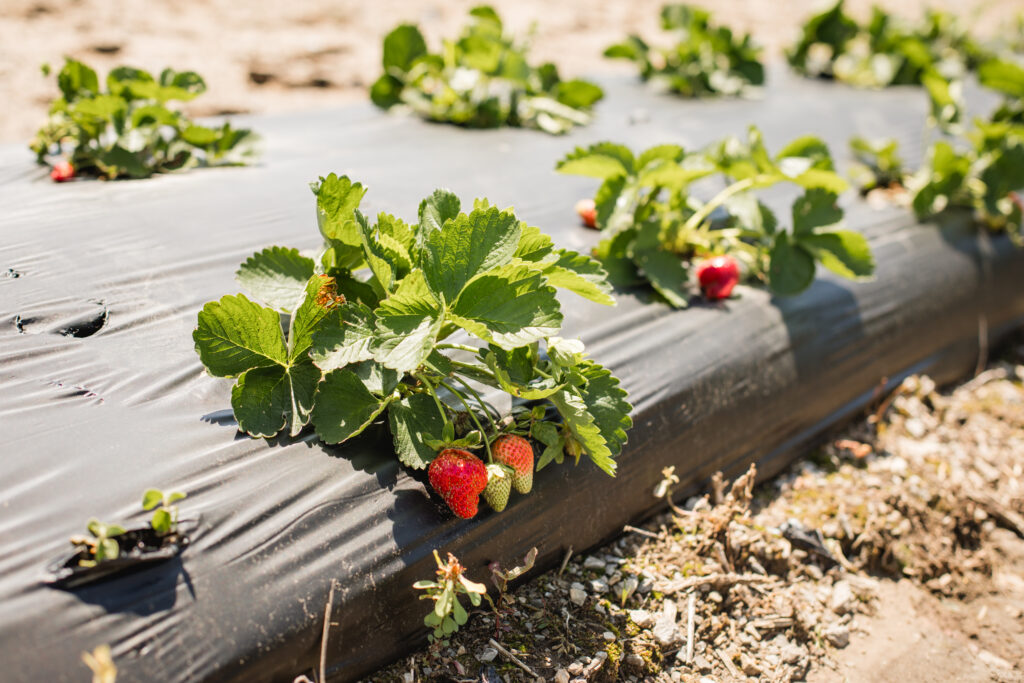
<point x="791" y="267"/>
<point x="402" y="47"/>
<point x="508" y="306"/>
<point x="235" y="335"/>
<point x="277" y="276"/>
<point x="346" y="336"/>
<point x="577" y="273"/>
<point x="466" y="246"/>
<point x="578" y="94"/>
<point x="816" y="209"/>
<point x="268" y="399"/>
<point x="844" y="252"/>
<point x="602" y="160"/>
<point x="606" y="401"/>
<point x="578" y="419"/>
<point x="1004" y="76"/>
<point x="317" y="305"/>
<point x="414" y="419"/>
<point x="435" y="210"/>
<point x="344" y="407"/>
<point x="408" y="322"/>
<point x="533" y="244"/>
<point x="337" y="199"/>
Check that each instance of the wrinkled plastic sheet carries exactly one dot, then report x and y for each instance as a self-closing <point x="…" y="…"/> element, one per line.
<point x="102" y="394"/>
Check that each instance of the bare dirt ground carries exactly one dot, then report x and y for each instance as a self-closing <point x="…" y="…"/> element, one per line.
<point x="895" y="553"/>
<point x="267" y="56"/>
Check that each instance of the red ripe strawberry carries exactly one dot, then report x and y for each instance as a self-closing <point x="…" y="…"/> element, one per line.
<point x="62" y="170"/>
<point x="717" y="276"/>
<point x="459" y="477"/>
<point x="588" y="212"/>
<point x="517" y="453"/>
<point x="499" y="486"/>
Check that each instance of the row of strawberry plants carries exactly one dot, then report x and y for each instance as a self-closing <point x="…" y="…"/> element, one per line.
<point x="981" y="170"/>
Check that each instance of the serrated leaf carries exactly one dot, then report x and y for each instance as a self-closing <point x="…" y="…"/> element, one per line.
<point x="378" y="379"/>
<point x="407" y="325"/>
<point x="581" y="423"/>
<point x="344" y="407"/>
<point x="441" y="206"/>
<point x="235" y="335"/>
<point x="791" y="267"/>
<point x="509" y="306"/>
<point x="659" y="153"/>
<point x="607" y="402"/>
<point x="376" y="255"/>
<point x="545" y="432"/>
<point x="603" y="160"/>
<point x="533" y="245"/>
<point x="674" y="176"/>
<point x="337" y="199"/>
<point x="818" y="179"/>
<point x="577" y="273"/>
<point x="267" y="400"/>
<point x="515" y="379"/>
<point x="751" y="214"/>
<point x="666" y="273"/>
<point x="412" y="419"/>
<point x="815" y="209"/>
<point x="75" y="78"/>
<point x="844" y="252"/>
<point x="810" y="147"/>
<point x="318" y="303"/>
<point x="277" y="276"/>
<point x="614" y="202"/>
<point x="346" y="336"/>
<point x="466" y="246"/>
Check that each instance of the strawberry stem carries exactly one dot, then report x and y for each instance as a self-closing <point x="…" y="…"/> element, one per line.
<point x="472" y="416"/>
<point x="483" y="404"/>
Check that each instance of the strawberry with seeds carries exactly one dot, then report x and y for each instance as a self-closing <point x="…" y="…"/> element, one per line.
<point x="459" y="477"/>
<point x="517" y="453"/>
<point x="499" y="486"/>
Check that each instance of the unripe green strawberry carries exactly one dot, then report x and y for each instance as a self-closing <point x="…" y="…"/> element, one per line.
<point x="517" y="453"/>
<point x="459" y="477"/>
<point x="499" y="486"/>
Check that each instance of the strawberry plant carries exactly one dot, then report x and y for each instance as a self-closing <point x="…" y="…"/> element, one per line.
<point x="654" y="225"/>
<point x="885" y="50"/>
<point x="128" y="128"/>
<point x="404" y="323"/>
<point x="101" y="543"/>
<point x="165" y="512"/>
<point x="482" y="79"/>
<point x="448" y="614"/>
<point x="986" y="174"/>
<point x="877" y="164"/>
<point x="705" y="60"/>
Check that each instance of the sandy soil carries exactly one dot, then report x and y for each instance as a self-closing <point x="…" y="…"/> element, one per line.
<point x="264" y="55"/>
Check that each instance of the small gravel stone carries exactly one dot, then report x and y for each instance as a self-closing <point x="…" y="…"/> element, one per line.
<point x="594" y="563"/>
<point x="599" y="586"/>
<point x="576" y="594"/>
<point x="576" y="668"/>
<point x="814" y="571"/>
<point x="641" y="618"/>
<point x="634" y="660"/>
<point x="715" y="596"/>
<point x="608" y="636"/>
<point x="487" y="654"/>
<point x="842" y="598"/>
<point x="701" y="663"/>
<point x="838" y="635"/>
<point x="665" y="630"/>
<point x="646" y="586"/>
<point x="561" y="676"/>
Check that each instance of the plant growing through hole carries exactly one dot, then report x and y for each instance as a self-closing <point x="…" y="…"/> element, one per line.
<point x="165" y="514"/>
<point x="128" y="129"/>
<point x="654" y="226"/>
<point x="877" y="164"/>
<point x="706" y="59"/>
<point x="406" y="323"/>
<point x="482" y="79"/>
<point x="448" y="614"/>
<point x="101" y="544"/>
